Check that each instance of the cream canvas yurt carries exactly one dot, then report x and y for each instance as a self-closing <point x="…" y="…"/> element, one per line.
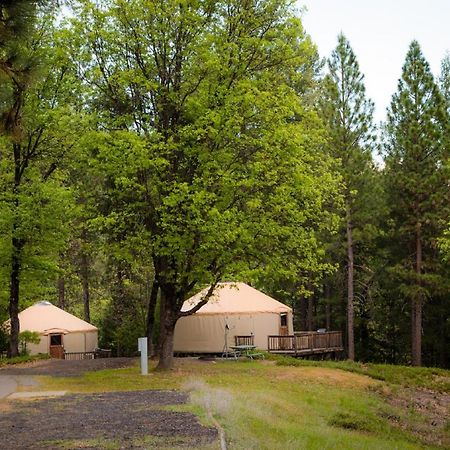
<point x="59" y="331"/>
<point x="235" y="309"/>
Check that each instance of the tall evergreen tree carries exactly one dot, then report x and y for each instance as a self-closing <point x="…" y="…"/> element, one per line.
<point x="348" y="114"/>
<point x="417" y="183"/>
<point x="444" y="80"/>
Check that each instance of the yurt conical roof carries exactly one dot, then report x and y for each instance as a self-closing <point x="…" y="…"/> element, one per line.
<point x="45" y="318"/>
<point x="235" y="298"/>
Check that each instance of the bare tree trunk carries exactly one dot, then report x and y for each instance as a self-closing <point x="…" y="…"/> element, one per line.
<point x="61" y="293"/>
<point x="303" y="313"/>
<point x="327" y="307"/>
<point x="168" y="320"/>
<point x="151" y="316"/>
<point x="350" y="287"/>
<point x="85" y="283"/>
<point x="310" y="317"/>
<point x="416" y="307"/>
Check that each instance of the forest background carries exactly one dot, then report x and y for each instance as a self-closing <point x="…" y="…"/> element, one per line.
<point x="151" y="148"/>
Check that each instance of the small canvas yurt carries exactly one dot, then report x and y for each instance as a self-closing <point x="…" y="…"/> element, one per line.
<point x="235" y="309"/>
<point x="59" y="331"/>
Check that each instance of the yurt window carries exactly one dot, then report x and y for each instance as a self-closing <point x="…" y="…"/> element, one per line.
<point x="56" y="339"/>
<point x="283" y="319"/>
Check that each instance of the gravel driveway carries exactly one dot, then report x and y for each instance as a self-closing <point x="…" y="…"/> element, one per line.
<point x="112" y="420"/>
<point x="63" y="368"/>
<point x="120" y="418"/>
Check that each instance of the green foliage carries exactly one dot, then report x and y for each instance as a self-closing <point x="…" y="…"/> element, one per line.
<point x="348" y="115"/>
<point x="28" y="337"/>
<point x="444" y="80"/>
<point x="417" y="177"/>
<point x="183" y="143"/>
<point x="206" y="156"/>
<point x="4" y="338"/>
<point x="415" y="150"/>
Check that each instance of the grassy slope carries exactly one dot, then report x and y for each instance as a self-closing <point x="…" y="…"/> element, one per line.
<point x="420" y="377"/>
<point x="262" y="405"/>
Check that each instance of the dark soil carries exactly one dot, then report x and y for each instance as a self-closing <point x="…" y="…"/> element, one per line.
<point x="124" y="418"/>
<point x="63" y="368"/>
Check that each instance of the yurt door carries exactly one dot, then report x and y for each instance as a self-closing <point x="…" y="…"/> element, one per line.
<point x="56" y="346"/>
<point x="284" y="331"/>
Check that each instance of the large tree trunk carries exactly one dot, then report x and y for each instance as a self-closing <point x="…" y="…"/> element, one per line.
<point x="168" y="319"/>
<point x="416" y="307"/>
<point x="151" y="316"/>
<point x="350" y="295"/>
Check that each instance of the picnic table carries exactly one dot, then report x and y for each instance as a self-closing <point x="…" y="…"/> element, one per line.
<point x="247" y="350"/>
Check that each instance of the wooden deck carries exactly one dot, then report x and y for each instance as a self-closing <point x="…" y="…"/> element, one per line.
<point x="305" y="343"/>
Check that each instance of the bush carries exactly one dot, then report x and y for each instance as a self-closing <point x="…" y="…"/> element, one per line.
<point x="28" y="337"/>
<point x="4" y="340"/>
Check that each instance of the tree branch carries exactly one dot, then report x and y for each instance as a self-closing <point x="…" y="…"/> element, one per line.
<point x="204" y="299"/>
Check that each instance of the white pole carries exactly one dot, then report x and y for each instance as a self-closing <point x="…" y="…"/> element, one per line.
<point x="142" y="347"/>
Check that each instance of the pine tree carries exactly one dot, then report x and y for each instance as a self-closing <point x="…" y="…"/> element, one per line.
<point x="444" y="80"/>
<point x="348" y="114"/>
<point x="417" y="182"/>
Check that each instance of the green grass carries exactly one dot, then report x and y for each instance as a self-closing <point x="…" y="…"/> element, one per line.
<point x="267" y="405"/>
<point x="22" y="359"/>
<point x="421" y="377"/>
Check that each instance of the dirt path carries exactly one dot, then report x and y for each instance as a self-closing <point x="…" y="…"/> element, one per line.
<point x="122" y="419"/>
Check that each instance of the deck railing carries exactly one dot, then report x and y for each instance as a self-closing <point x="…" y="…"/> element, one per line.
<point x="244" y="340"/>
<point x="304" y="342"/>
<point x="77" y="356"/>
<point x="97" y="353"/>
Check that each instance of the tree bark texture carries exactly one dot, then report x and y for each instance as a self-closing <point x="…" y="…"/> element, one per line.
<point x="61" y="293"/>
<point x="310" y="317"/>
<point x="168" y="319"/>
<point x="303" y="313"/>
<point x="327" y="307"/>
<point x="350" y="289"/>
<point x="151" y="317"/>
